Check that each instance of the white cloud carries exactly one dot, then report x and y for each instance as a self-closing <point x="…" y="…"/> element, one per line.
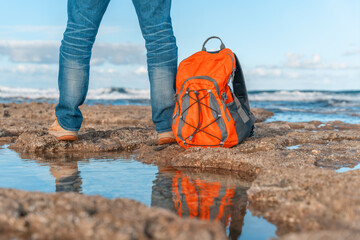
<point x="31" y="29"/>
<point x="315" y="62"/>
<point x="300" y="62"/>
<point x="293" y="59"/>
<point x="118" y="53"/>
<point x="46" y="76"/>
<point x="141" y="71"/>
<point x="28" y="69"/>
<point x="47" y="52"/>
<point x="49" y="32"/>
<point x="354" y="51"/>
<point x="264" y="72"/>
<point x="30" y="52"/>
<point x="299" y="71"/>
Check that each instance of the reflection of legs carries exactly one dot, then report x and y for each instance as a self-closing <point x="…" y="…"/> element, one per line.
<point x="67" y="177"/>
<point x="84" y="17"/>
<point x="161" y="195"/>
<point x="156" y="27"/>
<point x="238" y="211"/>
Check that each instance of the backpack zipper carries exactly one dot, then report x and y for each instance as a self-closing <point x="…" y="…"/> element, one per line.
<point x="204" y="78"/>
<point x="223" y="100"/>
<point x="231" y="77"/>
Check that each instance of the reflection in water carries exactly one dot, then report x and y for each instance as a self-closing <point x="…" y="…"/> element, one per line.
<point x="194" y="195"/>
<point x="205" y="196"/>
<point x="64" y="167"/>
<point x="189" y="193"/>
<point x="67" y="176"/>
<point x="201" y="196"/>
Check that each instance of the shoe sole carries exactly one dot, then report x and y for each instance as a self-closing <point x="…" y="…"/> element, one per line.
<point x="63" y="136"/>
<point x="67" y="138"/>
<point x="163" y="141"/>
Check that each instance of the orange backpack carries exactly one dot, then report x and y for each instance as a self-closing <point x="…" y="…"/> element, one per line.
<point x="207" y="112"/>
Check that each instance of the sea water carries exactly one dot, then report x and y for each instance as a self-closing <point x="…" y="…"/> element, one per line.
<point x="293" y="106"/>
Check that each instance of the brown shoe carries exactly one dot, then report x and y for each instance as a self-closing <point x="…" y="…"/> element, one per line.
<point x="166" y="138"/>
<point x="62" y="134"/>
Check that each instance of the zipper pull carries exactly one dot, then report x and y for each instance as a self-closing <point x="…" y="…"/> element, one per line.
<point x="224" y="97"/>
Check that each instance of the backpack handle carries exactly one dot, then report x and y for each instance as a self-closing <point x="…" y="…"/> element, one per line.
<point x="222" y="46"/>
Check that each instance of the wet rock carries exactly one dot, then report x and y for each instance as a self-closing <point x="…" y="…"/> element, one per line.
<point x="261" y="114"/>
<point x="6" y="113"/>
<point x="6" y="136"/>
<point x="64" y="216"/>
<point x="4" y="133"/>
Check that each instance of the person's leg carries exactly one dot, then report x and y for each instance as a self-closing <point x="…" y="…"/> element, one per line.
<point x="156" y="27"/>
<point x="84" y="17"/>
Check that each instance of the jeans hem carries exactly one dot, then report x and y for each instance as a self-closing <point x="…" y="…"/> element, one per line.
<point x="165" y="130"/>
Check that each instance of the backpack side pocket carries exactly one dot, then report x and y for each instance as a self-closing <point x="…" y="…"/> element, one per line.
<point x="243" y="125"/>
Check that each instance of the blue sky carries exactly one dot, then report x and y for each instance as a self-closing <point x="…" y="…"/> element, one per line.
<point x="281" y="44"/>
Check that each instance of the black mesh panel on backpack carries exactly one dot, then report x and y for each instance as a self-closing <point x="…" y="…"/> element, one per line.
<point x="240" y="87"/>
<point x="240" y="91"/>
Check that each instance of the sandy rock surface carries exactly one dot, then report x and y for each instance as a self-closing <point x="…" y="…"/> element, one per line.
<point x="295" y="185"/>
<point x="105" y="128"/>
<point x="323" y="235"/>
<point x="291" y="164"/>
<point x="34" y="215"/>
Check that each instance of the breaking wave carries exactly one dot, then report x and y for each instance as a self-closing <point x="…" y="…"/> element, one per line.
<point x="93" y="94"/>
<point x="305" y="96"/>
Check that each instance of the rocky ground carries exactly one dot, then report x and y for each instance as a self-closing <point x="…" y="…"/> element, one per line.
<point x="291" y="164"/>
<point x="70" y="216"/>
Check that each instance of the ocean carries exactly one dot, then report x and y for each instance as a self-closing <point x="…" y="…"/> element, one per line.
<point x="292" y="106"/>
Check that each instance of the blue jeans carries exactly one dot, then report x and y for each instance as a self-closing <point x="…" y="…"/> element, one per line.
<point x="84" y="17"/>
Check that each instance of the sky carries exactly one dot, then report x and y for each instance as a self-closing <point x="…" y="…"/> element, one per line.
<point x="281" y="44"/>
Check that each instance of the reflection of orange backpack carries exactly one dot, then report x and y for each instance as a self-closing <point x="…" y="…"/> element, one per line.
<point x="202" y="199"/>
<point x="207" y="113"/>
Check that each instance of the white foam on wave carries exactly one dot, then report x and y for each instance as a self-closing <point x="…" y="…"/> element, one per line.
<point x="340" y="99"/>
<point x="28" y="93"/>
<point x="111" y="94"/>
<point x="305" y="96"/>
<point x="93" y="94"/>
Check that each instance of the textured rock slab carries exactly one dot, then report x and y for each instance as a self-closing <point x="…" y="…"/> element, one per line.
<point x="105" y="128"/>
<point x="126" y="138"/>
<point x="271" y="147"/>
<point x="26" y="215"/>
<point x="16" y="119"/>
<point x="307" y="199"/>
<point x="323" y="235"/>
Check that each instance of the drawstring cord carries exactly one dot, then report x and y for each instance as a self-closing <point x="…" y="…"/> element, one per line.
<point x="198" y="128"/>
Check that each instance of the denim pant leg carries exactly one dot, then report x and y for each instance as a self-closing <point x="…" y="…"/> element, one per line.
<point x="156" y="27"/>
<point x="84" y="17"/>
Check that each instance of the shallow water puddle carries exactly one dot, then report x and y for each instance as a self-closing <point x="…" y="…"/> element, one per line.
<point x="346" y="169"/>
<point x="293" y="147"/>
<point x="194" y="194"/>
